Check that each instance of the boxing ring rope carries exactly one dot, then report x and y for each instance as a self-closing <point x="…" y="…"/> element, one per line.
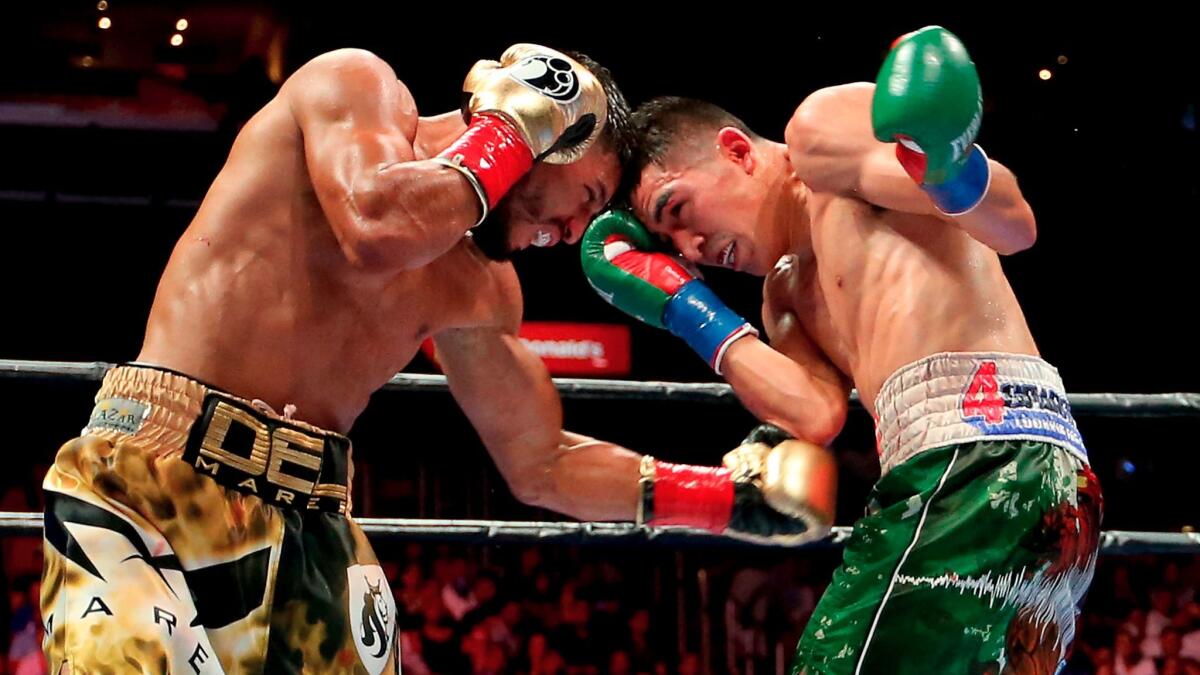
<point x="1113" y="542"/>
<point x="1106" y="404"/>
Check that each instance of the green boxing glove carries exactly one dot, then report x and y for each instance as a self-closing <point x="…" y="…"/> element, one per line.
<point x="621" y="262"/>
<point x="928" y="101"/>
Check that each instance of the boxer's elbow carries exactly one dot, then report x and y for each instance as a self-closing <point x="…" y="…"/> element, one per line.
<point x="1024" y="228"/>
<point x="826" y="423"/>
<point x="532" y="486"/>
<point x="530" y="494"/>
<point x="371" y="252"/>
<point x="816" y="420"/>
<point x="550" y="485"/>
<point x="379" y="237"/>
<point x="1017" y="230"/>
<point x="1005" y="220"/>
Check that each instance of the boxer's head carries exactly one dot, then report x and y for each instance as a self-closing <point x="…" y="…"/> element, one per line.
<point x="700" y="178"/>
<point x="554" y="202"/>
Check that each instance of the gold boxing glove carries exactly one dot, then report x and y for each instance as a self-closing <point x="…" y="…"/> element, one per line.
<point x="772" y="488"/>
<point x="533" y="104"/>
<point x="558" y="105"/>
<point x="790" y="477"/>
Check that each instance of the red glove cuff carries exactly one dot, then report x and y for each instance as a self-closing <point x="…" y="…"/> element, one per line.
<point x="912" y="159"/>
<point x="695" y="496"/>
<point x="494" y="152"/>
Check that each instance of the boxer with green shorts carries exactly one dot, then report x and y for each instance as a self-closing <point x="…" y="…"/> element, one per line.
<point x="985" y="523"/>
<point x="878" y="226"/>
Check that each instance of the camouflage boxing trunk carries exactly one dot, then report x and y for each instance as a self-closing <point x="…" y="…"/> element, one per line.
<point x="190" y="531"/>
<point x="981" y="536"/>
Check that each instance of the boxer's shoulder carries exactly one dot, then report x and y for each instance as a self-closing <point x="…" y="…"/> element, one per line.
<point x="823" y="107"/>
<point x="343" y="82"/>
<point x="783" y="282"/>
<point x="791" y="272"/>
<point x="505" y="289"/>
<point x="344" y="65"/>
<point x="483" y="292"/>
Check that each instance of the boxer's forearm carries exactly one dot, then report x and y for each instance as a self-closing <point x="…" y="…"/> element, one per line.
<point x="407" y="214"/>
<point x="507" y="394"/>
<point x="783" y="392"/>
<point x="588" y="479"/>
<point x="1003" y="221"/>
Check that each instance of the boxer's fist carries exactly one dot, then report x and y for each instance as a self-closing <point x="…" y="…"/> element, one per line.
<point x="532" y="104"/>
<point x="622" y="264"/>
<point x="928" y="101"/>
<point x="785" y="489"/>
<point x="557" y="105"/>
<point x="772" y="489"/>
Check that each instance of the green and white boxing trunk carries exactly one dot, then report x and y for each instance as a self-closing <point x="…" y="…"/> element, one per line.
<point x="979" y="539"/>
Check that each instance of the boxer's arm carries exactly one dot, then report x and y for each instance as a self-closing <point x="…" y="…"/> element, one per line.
<point x="387" y="211"/>
<point x="506" y="392"/>
<point x="833" y="149"/>
<point x="790" y="384"/>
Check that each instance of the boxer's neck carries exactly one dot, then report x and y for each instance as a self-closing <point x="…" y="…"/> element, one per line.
<point x="783" y="210"/>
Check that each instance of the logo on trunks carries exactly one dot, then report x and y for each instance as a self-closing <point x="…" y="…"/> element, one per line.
<point x="1017" y="408"/>
<point x="550" y="76"/>
<point x="129" y="589"/>
<point x="118" y="414"/>
<point x="256" y="454"/>
<point x="372" y="613"/>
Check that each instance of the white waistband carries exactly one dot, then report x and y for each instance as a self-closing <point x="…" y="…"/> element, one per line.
<point x="962" y="397"/>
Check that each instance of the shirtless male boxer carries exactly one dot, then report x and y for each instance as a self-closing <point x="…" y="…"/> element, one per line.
<point x="980" y="537"/>
<point x="191" y="528"/>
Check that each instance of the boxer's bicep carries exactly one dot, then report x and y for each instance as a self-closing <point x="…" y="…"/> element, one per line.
<point x="357" y="122"/>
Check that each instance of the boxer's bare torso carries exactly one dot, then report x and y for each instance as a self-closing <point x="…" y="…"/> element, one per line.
<point x="271" y="293"/>
<point x="877" y="289"/>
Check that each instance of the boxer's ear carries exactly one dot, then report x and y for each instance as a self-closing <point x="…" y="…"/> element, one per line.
<point x="734" y="145"/>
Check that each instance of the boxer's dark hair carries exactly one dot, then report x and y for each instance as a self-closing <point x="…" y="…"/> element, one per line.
<point x="667" y="123"/>
<point x="618" y="129"/>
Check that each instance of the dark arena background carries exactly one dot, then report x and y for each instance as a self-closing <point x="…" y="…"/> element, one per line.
<point x="115" y="117"/>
